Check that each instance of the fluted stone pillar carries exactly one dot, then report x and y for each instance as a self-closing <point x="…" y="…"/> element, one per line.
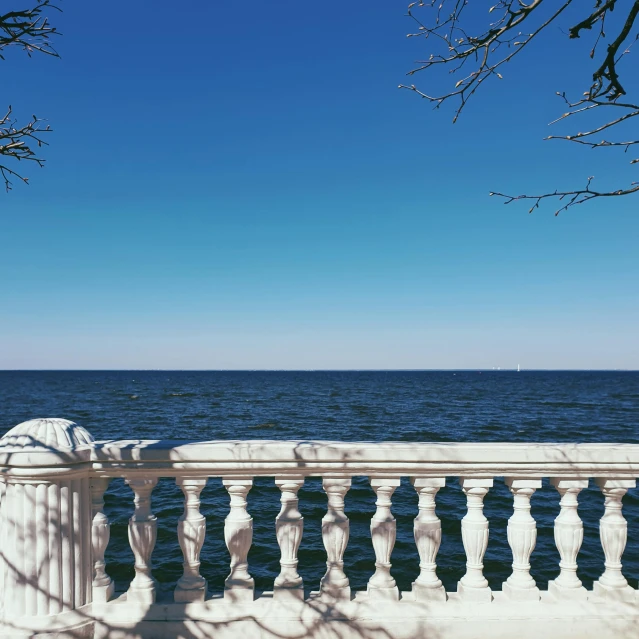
<point x="46" y="565"/>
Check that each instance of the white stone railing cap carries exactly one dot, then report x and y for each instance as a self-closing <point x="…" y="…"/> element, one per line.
<point x="434" y="459"/>
<point x="45" y="442"/>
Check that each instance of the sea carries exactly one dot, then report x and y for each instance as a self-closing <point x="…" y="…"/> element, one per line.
<point x="407" y="406"/>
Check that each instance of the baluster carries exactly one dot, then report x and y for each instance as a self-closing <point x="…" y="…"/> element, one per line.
<point x="191" y="531"/>
<point x="613" y="532"/>
<point x="142" y="536"/>
<point x="238" y="535"/>
<point x="335" y="532"/>
<point x="103" y="586"/>
<point x="383" y="529"/>
<point x="522" y="538"/>
<point x="473" y="586"/>
<point x="428" y="536"/>
<point x="569" y="534"/>
<point x="3" y="537"/>
<point x="289" y="527"/>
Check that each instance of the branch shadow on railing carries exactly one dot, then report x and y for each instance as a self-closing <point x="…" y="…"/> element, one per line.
<point x="321" y="614"/>
<point x="187" y="628"/>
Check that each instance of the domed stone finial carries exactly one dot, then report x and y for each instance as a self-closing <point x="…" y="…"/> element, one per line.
<point x="45" y="467"/>
<point x="57" y="439"/>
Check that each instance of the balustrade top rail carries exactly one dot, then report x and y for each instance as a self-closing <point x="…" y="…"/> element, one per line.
<point x="272" y="457"/>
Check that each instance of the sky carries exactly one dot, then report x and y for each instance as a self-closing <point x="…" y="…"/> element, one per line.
<point x="243" y="186"/>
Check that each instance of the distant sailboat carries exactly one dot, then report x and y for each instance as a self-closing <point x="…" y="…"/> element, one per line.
<point x="518" y="368"/>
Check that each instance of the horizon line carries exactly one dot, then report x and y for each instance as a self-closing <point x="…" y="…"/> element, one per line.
<point x="312" y="370"/>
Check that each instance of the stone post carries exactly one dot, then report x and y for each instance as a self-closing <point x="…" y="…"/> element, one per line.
<point x="46" y="564"/>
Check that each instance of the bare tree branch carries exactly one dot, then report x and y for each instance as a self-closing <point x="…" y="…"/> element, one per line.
<point x="516" y="25"/>
<point x="27" y="29"/>
<point x="18" y="143"/>
<point x="573" y="197"/>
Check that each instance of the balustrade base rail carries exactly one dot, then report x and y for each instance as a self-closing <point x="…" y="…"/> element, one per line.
<point x="359" y="618"/>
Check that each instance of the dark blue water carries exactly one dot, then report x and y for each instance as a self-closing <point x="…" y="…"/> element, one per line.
<point x="400" y="406"/>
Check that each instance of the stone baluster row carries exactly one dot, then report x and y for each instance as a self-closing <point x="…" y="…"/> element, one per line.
<point x="289" y="526"/>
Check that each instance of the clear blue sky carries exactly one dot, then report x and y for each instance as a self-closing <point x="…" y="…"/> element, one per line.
<point x="242" y="185"/>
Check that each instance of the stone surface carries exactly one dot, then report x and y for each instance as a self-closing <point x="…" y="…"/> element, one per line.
<point x="52" y="480"/>
<point x="49" y="433"/>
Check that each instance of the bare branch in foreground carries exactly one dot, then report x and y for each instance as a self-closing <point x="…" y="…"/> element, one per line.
<point x="477" y="54"/>
<point x="573" y="197"/>
<point x="27" y="29"/>
<point x="18" y="143"/>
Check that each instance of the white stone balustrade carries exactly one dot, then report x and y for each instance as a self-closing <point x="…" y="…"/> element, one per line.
<point x="54" y="532"/>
